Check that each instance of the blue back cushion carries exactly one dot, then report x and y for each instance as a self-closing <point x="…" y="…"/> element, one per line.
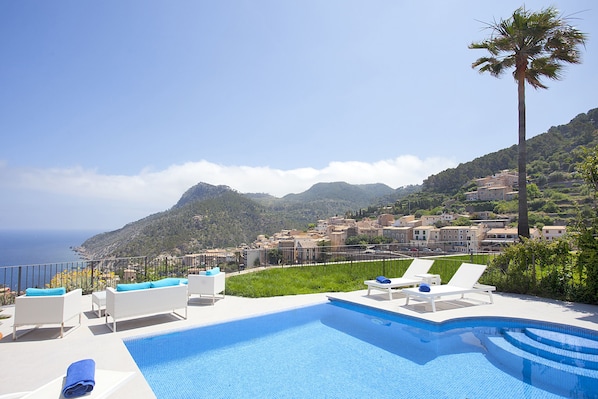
<point x="133" y="286"/>
<point x="213" y="271"/>
<point x="165" y="282"/>
<point x="45" y="291"/>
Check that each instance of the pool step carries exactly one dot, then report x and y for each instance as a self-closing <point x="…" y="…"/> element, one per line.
<point x="553" y="349"/>
<point x="550" y="367"/>
<point x="563" y="341"/>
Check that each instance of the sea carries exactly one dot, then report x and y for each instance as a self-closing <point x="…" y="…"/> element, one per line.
<point x="38" y="247"/>
<point x="32" y="247"/>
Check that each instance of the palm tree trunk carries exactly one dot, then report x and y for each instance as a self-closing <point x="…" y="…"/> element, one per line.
<point x="523" y="224"/>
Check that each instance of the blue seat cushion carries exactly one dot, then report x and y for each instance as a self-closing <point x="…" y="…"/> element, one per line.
<point x="165" y="282"/>
<point x="45" y="291"/>
<point x="133" y="286"/>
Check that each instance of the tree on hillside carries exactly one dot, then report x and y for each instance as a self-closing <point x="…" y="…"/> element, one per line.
<point x="588" y="230"/>
<point x="536" y="44"/>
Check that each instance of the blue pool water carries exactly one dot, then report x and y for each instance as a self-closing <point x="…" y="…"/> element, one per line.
<point x="333" y="350"/>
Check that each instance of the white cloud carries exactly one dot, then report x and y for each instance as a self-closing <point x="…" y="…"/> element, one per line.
<point x="127" y="198"/>
<point x="170" y="183"/>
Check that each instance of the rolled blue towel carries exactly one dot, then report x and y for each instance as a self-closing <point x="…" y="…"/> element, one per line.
<point x="424" y="287"/>
<point x="79" y="378"/>
<point x="383" y="280"/>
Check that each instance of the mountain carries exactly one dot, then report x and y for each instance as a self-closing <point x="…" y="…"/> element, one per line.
<point x="323" y="200"/>
<point x="208" y="216"/>
<point x="330" y="199"/>
<point x="341" y="191"/>
<point x="201" y="192"/>
<point x="222" y="218"/>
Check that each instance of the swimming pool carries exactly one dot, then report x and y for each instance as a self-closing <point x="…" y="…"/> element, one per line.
<point x="340" y="350"/>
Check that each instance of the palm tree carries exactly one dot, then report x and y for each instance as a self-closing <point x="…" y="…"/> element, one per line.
<point x="536" y="44"/>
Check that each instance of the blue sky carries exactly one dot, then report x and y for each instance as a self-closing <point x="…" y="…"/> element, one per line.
<point x="110" y="110"/>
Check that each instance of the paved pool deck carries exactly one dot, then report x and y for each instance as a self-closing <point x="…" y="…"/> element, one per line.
<point x="40" y="356"/>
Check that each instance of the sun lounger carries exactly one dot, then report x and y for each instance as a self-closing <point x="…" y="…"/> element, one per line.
<point x="463" y="282"/>
<point x="417" y="267"/>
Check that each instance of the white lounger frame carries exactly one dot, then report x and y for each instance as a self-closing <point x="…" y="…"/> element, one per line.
<point x="409" y="279"/>
<point x="463" y="282"/>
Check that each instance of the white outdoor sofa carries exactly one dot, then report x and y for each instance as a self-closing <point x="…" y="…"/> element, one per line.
<point x="52" y="309"/>
<point x="202" y="284"/>
<point x="144" y="302"/>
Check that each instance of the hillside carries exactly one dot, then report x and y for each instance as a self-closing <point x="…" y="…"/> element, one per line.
<point x="550" y="152"/>
<point x="209" y="216"/>
<point x="223" y="218"/>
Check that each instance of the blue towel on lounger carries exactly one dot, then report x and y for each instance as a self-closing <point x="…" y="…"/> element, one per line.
<point x="424" y="287"/>
<point x="383" y="280"/>
<point x="79" y="378"/>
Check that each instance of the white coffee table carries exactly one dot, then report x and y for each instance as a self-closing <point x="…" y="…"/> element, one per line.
<point x="98" y="299"/>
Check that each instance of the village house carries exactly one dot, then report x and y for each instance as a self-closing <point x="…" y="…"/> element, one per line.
<point x="401" y="235"/>
<point x="369" y="228"/>
<point x="550" y="233"/>
<point x="498" y="187"/>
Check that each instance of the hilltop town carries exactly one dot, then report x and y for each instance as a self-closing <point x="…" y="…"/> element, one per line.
<point x="405" y="234"/>
<point x="442" y="233"/>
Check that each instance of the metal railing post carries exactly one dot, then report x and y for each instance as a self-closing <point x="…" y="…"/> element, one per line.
<point x="92" y="277"/>
<point x="19" y="281"/>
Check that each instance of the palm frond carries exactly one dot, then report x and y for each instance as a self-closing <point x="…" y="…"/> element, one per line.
<point x="537" y="42"/>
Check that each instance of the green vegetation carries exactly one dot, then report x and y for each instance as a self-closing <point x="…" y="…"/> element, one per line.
<point x="566" y="269"/>
<point x="339" y="277"/>
<point x="537" y="268"/>
<point x="364" y="239"/>
<point x="549" y="269"/>
<point x="551" y="156"/>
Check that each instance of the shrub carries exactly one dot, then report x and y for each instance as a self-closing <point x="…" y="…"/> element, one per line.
<point x="535" y="267"/>
<point x="82" y="278"/>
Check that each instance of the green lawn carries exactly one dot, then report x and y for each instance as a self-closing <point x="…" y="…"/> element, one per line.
<point x="340" y="277"/>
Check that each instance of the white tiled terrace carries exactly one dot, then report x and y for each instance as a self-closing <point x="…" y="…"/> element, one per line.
<point x="40" y="356"/>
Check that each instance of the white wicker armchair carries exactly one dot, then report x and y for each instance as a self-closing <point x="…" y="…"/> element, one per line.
<point x="38" y="310"/>
<point x="201" y="284"/>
